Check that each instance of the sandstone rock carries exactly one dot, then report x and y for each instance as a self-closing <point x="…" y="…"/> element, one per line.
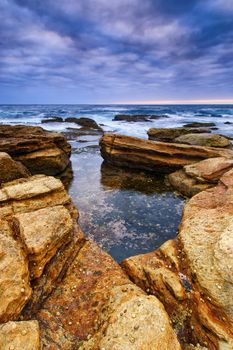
<point x="95" y="302"/>
<point x="204" y="139"/>
<point x="10" y="169"/>
<point x="192" y="275"/>
<point x="197" y="177"/>
<point x="20" y="336"/>
<point x="14" y="277"/>
<point x="170" y="134"/>
<point x="154" y="156"/>
<point x="42" y="151"/>
<point x="43" y="232"/>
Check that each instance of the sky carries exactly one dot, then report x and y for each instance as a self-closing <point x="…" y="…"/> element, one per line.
<point x="116" y="51"/>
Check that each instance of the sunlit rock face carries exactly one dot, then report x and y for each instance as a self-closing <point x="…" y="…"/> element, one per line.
<point x="192" y="275"/>
<point x="40" y="151"/>
<point x="154" y="156"/>
<point x="199" y="176"/>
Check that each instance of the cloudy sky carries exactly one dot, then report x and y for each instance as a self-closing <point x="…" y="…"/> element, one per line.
<point x="115" y="51"/>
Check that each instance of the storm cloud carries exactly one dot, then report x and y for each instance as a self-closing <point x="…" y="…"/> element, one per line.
<point x="93" y="51"/>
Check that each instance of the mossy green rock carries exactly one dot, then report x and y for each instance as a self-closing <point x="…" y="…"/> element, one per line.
<point x="209" y="140"/>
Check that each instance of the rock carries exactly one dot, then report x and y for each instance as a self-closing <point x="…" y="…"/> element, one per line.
<point x="154" y="156"/>
<point x="192" y="275"/>
<point x="52" y="120"/>
<point x="209" y="140"/>
<point x="227" y="123"/>
<point x="89" y="308"/>
<point x="199" y="125"/>
<point x="43" y="232"/>
<point x="10" y="169"/>
<point x="39" y="150"/>
<point x="14" y="276"/>
<point x="137" y="117"/>
<point x="84" y="122"/>
<point x="170" y="134"/>
<point x="23" y="335"/>
<point x="197" y="177"/>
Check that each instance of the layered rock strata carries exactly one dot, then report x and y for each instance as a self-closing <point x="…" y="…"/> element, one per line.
<point x="170" y="134"/>
<point x="52" y="275"/>
<point x="10" y="169"/>
<point x="154" y="156"/>
<point x="192" y="275"/>
<point x="197" y="177"/>
<point x="40" y="151"/>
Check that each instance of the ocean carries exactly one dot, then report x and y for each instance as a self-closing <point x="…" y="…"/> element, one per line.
<point x="126" y="212"/>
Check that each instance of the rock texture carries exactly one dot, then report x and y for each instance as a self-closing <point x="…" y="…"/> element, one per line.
<point x="204" y="139"/>
<point x="87" y="123"/>
<point x="154" y="156"/>
<point x="20" y="336"/>
<point x="10" y="169"/>
<point x="170" y="134"/>
<point x="137" y="117"/>
<point x="192" y="275"/>
<point x="197" y="177"/>
<point x="39" y="150"/>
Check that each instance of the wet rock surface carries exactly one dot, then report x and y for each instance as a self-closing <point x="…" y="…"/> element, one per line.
<point x="197" y="177"/>
<point x="170" y="134"/>
<point x="137" y="117"/>
<point x="38" y="150"/>
<point x="87" y="123"/>
<point x="154" y="156"/>
<point x="191" y="275"/>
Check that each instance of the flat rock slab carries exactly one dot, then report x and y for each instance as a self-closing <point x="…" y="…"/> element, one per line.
<point x="208" y="140"/>
<point x="170" y="134"/>
<point x="96" y="307"/>
<point x="43" y="232"/>
<point x="154" y="156"/>
<point x="20" y="336"/>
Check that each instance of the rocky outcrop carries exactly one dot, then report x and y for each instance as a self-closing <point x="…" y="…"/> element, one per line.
<point x="170" y="134"/>
<point x="39" y="150"/>
<point x="50" y="273"/>
<point x="10" y="169"/>
<point x="137" y="153"/>
<point x="204" y="139"/>
<point x="197" y="177"/>
<point x="192" y="275"/>
<point x="199" y="125"/>
<point x="20" y="336"/>
<point x="137" y="117"/>
<point x="52" y="120"/>
<point x="87" y="123"/>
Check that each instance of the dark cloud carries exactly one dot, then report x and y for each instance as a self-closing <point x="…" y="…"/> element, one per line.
<point x="118" y="50"/>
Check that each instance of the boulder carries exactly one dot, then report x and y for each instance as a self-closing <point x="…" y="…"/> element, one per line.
<point x="154" y="156"/>
<point x="24" y="335"/>
<point x="192" y="275"/>
<point x="170" y="134"/>
<point x="209" y="140"/>
<point x="10" y="169"/>
<point x="197" y="177"/>
<point x="84" y="122"/>
<point x="39" y="150"/>
<point x="137" y="117"/>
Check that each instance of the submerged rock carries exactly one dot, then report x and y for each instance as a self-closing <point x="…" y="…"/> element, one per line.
<point x="197" y="177"/>
<point x="154" y="156"/>
<point x="24" y="335"/>
<point x="199" y="125"/>
<point x="192" y="275"/>
<point x="10" y="169"/>
<point x="137" y="117"/>
<point x="39" y="150"/>
<point x="52" y="120"/>
<point x="170" y="134"/>
<point x="209" y="140"/>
